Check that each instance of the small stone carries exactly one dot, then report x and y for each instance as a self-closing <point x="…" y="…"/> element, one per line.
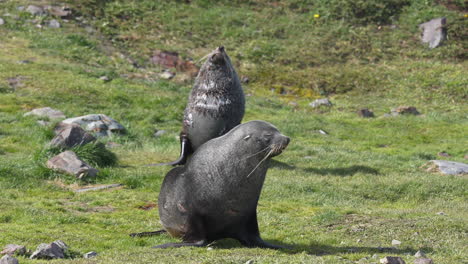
<point x="20" y="8"/>
<point x="167" y="75"/>
<point x="320" y="102"/>
<point x="359" y="241"/>
<point x="24" y="62"/>
<point x="323" y="132"/>
<point x="423" y="261"/>
<point x="375" y="256"/>
<point x="419" y="254"/>
<point x="43" y="123"/>
<point x="54" y="24"/>
<point x="392" y="260"/>
<point x="159" y="133"/>
<point x="53" y="250"/>
<point x="416" y="234"/>
<point x="396" y="242"/>
<point x="91" y="254"/>
<point x="404" y="110"/>
<point x="35" y="10"/>
<point x="245" y="79"/>
<point x="250" y="261"/>
<point x="99" y="123"/>
<point x="12" y="249"/>
<point x="46" y="112"/>
<point x="113" y="145"/>
<point x="443" y="154"/>
<point x="363" y="260"/>
<point x="209" y="248"/>
<point x="7" y="259"/>
<point x="104" y="78"/>
<point x="440" y="213"/>
<point x="68" y="162"/>
<point x="434" y="32"/>
<point x="71" y="136"/>
<point x="2" y="21"/>
<point x="366" y="113"/>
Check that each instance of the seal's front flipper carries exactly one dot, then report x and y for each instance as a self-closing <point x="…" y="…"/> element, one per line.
<point x="200" y="243"/>
<point x="184" y="152"/>
<point x="144" y="234"/>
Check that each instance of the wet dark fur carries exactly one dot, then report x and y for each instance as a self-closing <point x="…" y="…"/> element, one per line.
<point x="215" y="195"/>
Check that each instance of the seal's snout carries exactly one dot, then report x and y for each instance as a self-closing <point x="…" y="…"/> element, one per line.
<point x="286" y="140"/>
<point x="220" y="49"/>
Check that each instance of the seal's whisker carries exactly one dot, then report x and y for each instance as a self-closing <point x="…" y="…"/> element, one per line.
<point x="256" y="153"/>
<point x="266" y="156"/>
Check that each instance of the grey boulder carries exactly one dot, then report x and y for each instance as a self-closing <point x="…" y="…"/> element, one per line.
<point x="68" y="162"/>
<point x="448" y="167"/>
<point x="89" y="255"/>
<point x="54" y="250"/>
<point x="54" y="24"/>
<point x="101" y="124"/>
<point x="7" y="259"/>
<point x="423" y="261"/>
<point x="46" y="112"/>
<point x="434" y="32"/>
<point x="392" y="260"/>
<point x="2" y="21"/>
<point x="71" y="136"/>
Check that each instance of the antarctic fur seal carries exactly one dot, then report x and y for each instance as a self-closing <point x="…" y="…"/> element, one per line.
<point x="215" y="105"/>
<point x="215" y="195"/>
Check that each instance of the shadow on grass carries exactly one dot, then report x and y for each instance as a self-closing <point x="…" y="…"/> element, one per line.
<point x="281" y="165"/>
<point x="322" y="250"/>
<point x="348" y="171"/>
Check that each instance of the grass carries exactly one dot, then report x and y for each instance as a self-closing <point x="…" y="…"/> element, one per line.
<point x="334" y="198"/>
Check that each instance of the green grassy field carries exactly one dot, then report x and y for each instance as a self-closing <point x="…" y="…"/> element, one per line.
<point x="333" y="198"/>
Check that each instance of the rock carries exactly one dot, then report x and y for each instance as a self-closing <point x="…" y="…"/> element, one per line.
<point x="323" y="132"/>
<point x="46" y="112"/>
<point x="35" y="10"/>
<point x="366" y="113"/>
<point x="101" y="124"/>
<point x="69" y="163"/>
<point x="167" y="75"/>
<point x="71" y="136"/>
<point x="43" y="123"/>
<point x="58" y="11"/>
<point x="446" y="167"/>
<point x="250" y="261"/>
<point x="392" y="260"/>
<point x="16" y="82"/>
<point x="396" y="242"/>
<point x="359" y="241"/>
<point x="320" y="102"/>
<point x="404" y="110"/>
<point x="434" y="32"/>
<point x="7" y="259"/>
<point x="375" y="256"/>
<point x="2" y="21"/>
<point x="159" y="133"/>
<point x="104" y="78"/>
<point x="54" y="24"/>
<point x="419" y="254"/>
<point x="440" y="213"/>
<point x="168" y="59"/>
<point x="423" y="261"/>
<point x="91" y="254"/>
<point x="209" y="248"/>
<point x="245" y="80"/>
<point x="12" y="249"/>
<point x="54" y="250"/>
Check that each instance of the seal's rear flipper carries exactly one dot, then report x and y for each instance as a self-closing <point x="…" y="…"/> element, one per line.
<point x="184" y="152"/>
<point x="200" y="243"/>
<point x="143" y="234"/>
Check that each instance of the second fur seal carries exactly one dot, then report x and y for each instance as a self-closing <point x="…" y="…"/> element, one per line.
<point x="215" y="105"/>
<point x="215" y="195"/>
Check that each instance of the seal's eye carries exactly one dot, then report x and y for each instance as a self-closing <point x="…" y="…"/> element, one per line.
<point x="267" y="137"/>
<point x="246" y="137"/>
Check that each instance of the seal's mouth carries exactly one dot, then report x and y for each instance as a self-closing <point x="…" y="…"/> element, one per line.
<point x="278" y="148"/>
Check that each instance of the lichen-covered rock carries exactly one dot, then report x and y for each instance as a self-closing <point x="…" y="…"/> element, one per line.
<point x="13" y="249"/>
<point x="101" y="124"/>
<point x="7" y="259"/>
<point x="54" y="250"/>
<point x="68" y="162"/>
<point x="46" y="112"/>
<point x="71" y="136"/>
<point x="434" y="32"/>
<point x="54" y="24"/>
<point x="35" y="10"/>
<point x="392" y="260"/>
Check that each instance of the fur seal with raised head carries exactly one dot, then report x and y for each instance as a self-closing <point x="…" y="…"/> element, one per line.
<point x="215" y="195"/>
<point x="215" y="105"/>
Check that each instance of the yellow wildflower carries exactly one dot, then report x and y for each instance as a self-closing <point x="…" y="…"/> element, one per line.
<point x="316" y="16"/>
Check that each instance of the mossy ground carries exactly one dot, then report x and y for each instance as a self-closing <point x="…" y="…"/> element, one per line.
<point x="334" y="198"/>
